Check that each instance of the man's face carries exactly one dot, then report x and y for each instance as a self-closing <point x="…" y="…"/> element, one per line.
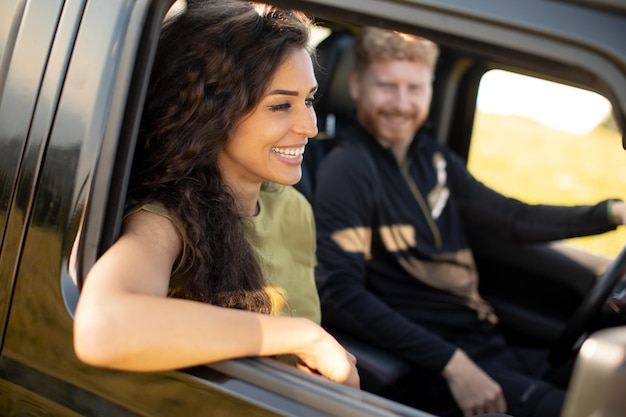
<point x="392" y="99"/>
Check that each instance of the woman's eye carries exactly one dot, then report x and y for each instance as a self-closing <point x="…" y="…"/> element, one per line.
<point x="310" y="101"/>
<point x="280" y="107"/>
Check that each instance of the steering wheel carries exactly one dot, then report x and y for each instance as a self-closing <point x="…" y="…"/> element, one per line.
<point x="572" y="336"/>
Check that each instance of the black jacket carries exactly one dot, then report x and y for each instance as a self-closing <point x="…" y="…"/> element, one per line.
<point x="395" y="264"/>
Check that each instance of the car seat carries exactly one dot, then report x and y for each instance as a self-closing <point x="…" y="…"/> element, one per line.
<point x="380" y="372"/>
<point x="334" y="104"/>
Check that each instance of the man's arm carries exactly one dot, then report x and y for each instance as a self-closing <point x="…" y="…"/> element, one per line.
<point x="490" y="212"/>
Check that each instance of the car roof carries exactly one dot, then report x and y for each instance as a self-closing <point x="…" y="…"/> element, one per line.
<point x="573" y="42"/>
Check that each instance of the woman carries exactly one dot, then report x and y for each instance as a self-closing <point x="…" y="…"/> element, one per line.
<point x="210" y="265"/>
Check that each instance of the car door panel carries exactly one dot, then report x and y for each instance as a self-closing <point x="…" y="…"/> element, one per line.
<point x="24" y="61"/>
<point x="73" y="158"/>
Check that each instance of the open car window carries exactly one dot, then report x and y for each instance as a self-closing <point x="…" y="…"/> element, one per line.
<point x="546" y="142"/>
<point x="97" y="206"/>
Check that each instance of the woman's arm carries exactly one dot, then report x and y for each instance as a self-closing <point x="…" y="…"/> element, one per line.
<point x="124" y="320"/>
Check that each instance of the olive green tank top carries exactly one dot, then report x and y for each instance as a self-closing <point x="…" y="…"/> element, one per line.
<point x="282" y="236"/>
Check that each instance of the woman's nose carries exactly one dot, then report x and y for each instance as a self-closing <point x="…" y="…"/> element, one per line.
<point x="307" y="123"/>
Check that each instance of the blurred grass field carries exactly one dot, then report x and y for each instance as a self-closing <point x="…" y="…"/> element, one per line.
<point x="522" y="158"/>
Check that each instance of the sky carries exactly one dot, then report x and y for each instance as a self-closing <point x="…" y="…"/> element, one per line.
<point x="555" y="105"/>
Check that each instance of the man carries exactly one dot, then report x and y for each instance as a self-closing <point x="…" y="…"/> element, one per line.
<point x="393" y="208"/>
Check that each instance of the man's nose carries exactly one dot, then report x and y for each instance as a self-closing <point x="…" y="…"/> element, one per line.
<point x="403" y="100"/>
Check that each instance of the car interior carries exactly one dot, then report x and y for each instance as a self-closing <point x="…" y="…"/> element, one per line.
<point x="529" y="317"/>
<point x="597" y="383"/>
<point x="549" y="318"/>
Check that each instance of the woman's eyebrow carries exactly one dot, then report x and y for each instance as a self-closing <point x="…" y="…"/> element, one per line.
<point x="290" y="92"/>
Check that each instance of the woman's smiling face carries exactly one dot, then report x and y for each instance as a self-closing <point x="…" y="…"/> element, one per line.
<point x="267" y="145"/>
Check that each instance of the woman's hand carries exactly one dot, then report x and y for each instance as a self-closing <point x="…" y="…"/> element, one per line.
<point x="327" y="357"/>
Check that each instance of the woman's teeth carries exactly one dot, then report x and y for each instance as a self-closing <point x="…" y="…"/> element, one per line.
<point x="289" y="152"/>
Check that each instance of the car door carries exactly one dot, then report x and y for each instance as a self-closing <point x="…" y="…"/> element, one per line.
<point x="69" y="185"/>
<point x="26" y="39"/>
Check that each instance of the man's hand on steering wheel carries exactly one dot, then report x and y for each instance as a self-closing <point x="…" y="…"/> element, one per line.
<point x="618" y="212"/>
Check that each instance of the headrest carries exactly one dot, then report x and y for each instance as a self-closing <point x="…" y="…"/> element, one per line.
<point x="335" y="59"/>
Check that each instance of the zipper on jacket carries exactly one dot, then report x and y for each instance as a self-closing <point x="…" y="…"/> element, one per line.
<point x="404" y="169"/>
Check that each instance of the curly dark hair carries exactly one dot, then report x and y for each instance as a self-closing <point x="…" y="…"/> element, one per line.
<point x="213" y="65"/>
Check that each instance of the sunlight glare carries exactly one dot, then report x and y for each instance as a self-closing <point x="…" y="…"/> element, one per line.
<point x="555" y="105"/>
